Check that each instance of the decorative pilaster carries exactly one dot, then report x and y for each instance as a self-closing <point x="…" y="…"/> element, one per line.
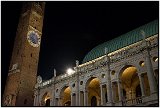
<point x="85" y="98"/>
<point x="101" y="87"/>
<point x="38" y="96"/>
<point x="71" y="99"/>
<point x="119" y="90"/>
<point x="150" y="73"/>
<point x="54" y="79"/>
<point x="77" y="89"/>
<point x="35" y="99"/>
<point x="109" y="89"/>
<point x="79" y="98"/>
<point x="141" y="79"/>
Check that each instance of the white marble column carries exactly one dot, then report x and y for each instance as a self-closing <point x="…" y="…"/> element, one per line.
<point x="141" y="79"/>
<point x="77" y="95"/>
<point x="35" y="100"/>
<point x="71" y="99"/>
<point x="77" y="89"/>
<point x="150" y="72"/>
<point x="101" y="87"/>
<point x="38" y="98"/>
<point x="85" y="98"/>
<point x="119" y="90"/>
<point x="80" y="98"/>
<point x="109" y="89"/>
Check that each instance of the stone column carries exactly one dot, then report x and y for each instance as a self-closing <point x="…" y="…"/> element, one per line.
<point x="35" y="99"/>
<point x="85" y="98"/>
<point x="119" y="90"/>
<point x="141" y="79"/>
<point x="71" y="99"/>
<point x="109" y="89"/>
<point x="150" y="73"/>
<point x="77" y="94"/>
<point x="109" y="95"/>
<point x="77" y="89"/>
<point x="38" y="98"/>
<point x="80" y="97"/>
<point x="101" y="94"/>
<point x="51" y="102"/>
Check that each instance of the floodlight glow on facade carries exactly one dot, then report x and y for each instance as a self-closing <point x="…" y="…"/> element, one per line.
<point x="70" y="71"/>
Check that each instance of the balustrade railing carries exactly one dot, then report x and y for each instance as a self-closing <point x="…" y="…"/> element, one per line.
<point x="132" y="102"/>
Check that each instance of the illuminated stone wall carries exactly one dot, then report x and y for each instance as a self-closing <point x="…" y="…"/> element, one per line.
<point x="128" y="78"/>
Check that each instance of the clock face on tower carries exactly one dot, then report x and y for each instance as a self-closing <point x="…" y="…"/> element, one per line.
<point x="33" y="38"/>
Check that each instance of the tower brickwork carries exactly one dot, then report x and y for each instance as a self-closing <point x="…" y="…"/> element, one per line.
<point x="19" y="89"/>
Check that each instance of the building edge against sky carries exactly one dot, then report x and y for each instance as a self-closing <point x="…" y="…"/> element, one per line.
<point x="120" y="72"/>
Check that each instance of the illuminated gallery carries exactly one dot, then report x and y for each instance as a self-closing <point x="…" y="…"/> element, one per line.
<point x="120" y="72"/>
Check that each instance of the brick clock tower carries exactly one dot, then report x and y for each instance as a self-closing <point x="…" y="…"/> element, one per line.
<point x="19" y="89"/>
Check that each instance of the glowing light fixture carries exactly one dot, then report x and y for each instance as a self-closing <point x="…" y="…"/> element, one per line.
<point x="70" y="71"/>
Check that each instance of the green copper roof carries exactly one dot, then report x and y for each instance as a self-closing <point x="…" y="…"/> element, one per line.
<point x="123" y="40"/>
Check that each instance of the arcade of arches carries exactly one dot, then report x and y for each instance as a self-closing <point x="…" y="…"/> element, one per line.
<point x="127" y="87"/>
<point x="121" y="72"/>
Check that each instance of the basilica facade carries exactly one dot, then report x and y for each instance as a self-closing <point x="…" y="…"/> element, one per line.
<point x="120" y="72"/>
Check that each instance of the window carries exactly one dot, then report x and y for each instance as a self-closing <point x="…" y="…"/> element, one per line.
<point x="103" y="75"/>
<point x="73" y="85"/>
<point x="81" y="82"/>
<point x="155" y="59"/>
<point x="113" y="72"/>
<point x="141" y="63"/>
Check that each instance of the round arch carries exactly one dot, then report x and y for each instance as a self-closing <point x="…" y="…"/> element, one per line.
<point x="45" y="99"/>
<point x="92" y="87"/>
<point x="65" y="95"/>
<point x="90" y="78"/>
<point x="122" y="69"/>
<point x="130" y="80"/>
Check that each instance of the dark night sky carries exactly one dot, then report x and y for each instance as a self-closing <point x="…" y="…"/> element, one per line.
<point x="72" y="29"/>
